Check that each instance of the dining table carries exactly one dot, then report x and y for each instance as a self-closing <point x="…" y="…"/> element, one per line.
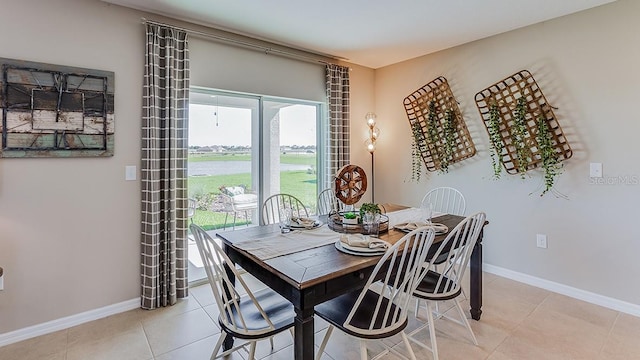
<point x="305" y="267"/>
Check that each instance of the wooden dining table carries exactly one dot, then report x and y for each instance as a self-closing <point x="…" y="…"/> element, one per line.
<point x="314" y="275"/>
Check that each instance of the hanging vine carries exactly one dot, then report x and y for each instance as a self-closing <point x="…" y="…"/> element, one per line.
<point x="449" y="137"/>
<point x="549" y="157"/>
<point x="432" y="129"/>
<point x="496" y="143"/>
<point x="519" y="138"/>
<point x="417" y="147"/>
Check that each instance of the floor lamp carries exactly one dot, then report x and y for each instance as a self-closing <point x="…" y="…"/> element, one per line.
<point x="374" y="133"/>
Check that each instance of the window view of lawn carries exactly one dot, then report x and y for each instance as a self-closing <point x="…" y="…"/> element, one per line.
<point x="299" y="179"/>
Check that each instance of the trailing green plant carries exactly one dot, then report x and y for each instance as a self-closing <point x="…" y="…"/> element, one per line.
<point x="418" y="146"/>
<point x="450" y="138"/>
<point x="496" y="144"/>
<point x="432" y="131"/>
<point x="550" y="161"/>
<point x="519" y="138"/>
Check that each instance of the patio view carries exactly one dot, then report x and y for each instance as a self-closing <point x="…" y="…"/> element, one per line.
<point x="230" y="168"/>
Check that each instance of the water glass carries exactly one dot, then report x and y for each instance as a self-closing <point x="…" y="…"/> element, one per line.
<point x="285" y="219"/>
<point x="426" y="212"/>
<point x="371" y="224"/>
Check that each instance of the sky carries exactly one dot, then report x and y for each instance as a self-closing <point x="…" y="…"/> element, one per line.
<point x="217" y="125"/>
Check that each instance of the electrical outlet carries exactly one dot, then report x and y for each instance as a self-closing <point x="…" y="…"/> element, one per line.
<point x="541" y="241"/>
<point x="595" y="170"/>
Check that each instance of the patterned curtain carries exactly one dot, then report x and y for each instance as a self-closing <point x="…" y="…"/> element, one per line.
<point x="338" y="102"/>
<point x="164" y="167"/>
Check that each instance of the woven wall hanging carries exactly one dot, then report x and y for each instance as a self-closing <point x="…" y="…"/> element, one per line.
<point x="441" y="137"/>
<point x="523" y="130"/>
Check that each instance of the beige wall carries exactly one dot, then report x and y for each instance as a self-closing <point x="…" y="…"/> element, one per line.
<point x="69" y="228"/>
<point x="587" y="66"/>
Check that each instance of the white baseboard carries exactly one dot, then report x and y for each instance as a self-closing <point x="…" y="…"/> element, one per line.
<point x="73" y="320"/>
<point x="67" y="322"/>
<point x="611" y="303"/>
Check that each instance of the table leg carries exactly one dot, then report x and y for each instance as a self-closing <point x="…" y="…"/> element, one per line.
<point x="228" y="340"/>
<point x="303" y="339"/>
<point x="475" y="278"/>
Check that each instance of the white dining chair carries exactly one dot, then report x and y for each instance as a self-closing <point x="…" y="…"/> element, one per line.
<point x="328" y="202"/>
<point x="253" y="316"/>
<point x="274" y="203"/>
<point x="437" y="287"/>
<point x="446" y="200"/>
<point x="379" y="310"/>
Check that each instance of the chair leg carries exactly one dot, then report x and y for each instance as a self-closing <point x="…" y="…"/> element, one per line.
<point x="465" y="321"/>
<point x="235" y="214"/>
<point x="218" y="345"/>
<point x="363" y="349"/>
<point x="324" y="342"/>
<point x="412" y="356"/>
<point x="432" y="331"/>
<point x="226" y="215"/>
<point x="252" y="351"/>
<point x="246" y="218"/>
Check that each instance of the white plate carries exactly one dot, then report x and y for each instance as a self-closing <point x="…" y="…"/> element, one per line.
<point x="296" y="226"/>
<point x="340" y="248"/>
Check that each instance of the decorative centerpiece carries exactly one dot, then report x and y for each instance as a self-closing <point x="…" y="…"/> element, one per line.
<point x="350" y="218"/>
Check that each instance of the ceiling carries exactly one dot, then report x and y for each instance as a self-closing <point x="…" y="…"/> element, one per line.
<point x="371" y="33"/>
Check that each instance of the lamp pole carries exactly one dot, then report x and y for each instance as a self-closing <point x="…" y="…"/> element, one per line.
<point x="374" y="133"/>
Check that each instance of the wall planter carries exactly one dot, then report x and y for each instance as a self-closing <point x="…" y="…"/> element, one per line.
<point x="524" y="132"/>
<point x="440" y="135"/>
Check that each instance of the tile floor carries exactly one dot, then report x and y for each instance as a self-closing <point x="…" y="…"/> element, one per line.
<point x="519" y="322"/>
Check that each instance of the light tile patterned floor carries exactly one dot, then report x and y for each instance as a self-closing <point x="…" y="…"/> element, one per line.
<point x="519" y="322"/>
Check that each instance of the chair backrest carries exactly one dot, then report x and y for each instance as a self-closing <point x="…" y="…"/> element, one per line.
<point x="224" y="290"/>
<point x="274" y="203"/>
<point x="328" y="202"/>
<point x="462" y="239"/>
<point x="446" y="200"/>
<point x="394" y="279"/>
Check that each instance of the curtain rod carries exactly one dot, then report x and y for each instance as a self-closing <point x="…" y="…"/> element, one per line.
<point x="243" y="43"/>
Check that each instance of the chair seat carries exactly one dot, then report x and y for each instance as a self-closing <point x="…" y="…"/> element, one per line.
<point x="245" y="199"/>
<point x="335" y="312"/>
<point x="278" y="310"/>
<point x="427" y="288"/>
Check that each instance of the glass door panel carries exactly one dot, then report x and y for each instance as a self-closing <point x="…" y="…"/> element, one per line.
<point x="290" y="150"/>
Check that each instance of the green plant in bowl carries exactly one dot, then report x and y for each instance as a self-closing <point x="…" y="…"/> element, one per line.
<point x="369" y="207"/>
<point x="350" y="215"/>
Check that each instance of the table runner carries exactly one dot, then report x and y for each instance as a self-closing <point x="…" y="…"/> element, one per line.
<point x="277" y="244"/>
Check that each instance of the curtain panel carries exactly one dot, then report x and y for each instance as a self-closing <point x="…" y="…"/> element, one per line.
<point x="337" y="78"/>
<point x="164" y="167"/>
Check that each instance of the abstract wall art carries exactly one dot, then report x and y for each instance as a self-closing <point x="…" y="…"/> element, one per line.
<point x="55" y="111"/>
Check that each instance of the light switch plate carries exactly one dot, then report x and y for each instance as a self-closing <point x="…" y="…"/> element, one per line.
<point x="130" y="172"/>
<point x="595" y="170"/>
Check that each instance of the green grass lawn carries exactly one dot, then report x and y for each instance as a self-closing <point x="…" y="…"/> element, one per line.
<point x="301" y="184"/>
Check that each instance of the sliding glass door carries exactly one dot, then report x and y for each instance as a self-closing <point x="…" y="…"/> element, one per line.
<point x="244" y="148"/>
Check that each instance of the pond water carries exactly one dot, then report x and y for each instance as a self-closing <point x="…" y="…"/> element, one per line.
<point x="201" y="168"/>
